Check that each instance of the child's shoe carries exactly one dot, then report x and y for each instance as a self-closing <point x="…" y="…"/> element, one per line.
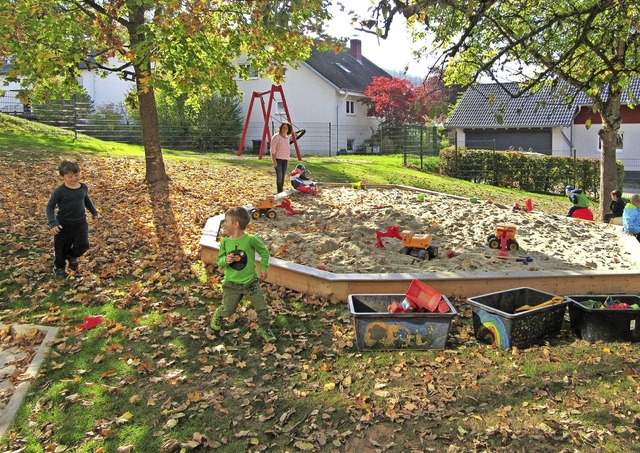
<point x="73" y="263"/>
<point x="216" y="320"/>
<point x="59" y="272"/>
<point x="266" y="335"/>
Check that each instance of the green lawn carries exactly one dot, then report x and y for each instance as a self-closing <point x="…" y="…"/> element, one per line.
<point x="153" y="378"/>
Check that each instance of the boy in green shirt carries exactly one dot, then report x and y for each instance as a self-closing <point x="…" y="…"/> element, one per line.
<point x="237" y="258"/>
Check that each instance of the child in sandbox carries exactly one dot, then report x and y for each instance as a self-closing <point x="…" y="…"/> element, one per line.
<point x="579" y="204"/>
<point x="616" y="208"/>
<point x="301" y="181"/>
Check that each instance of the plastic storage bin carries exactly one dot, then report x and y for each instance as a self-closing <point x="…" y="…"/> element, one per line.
<point x="495" y="320"/>
<point x="593" y="324"/>
<point x="377" y="329"/>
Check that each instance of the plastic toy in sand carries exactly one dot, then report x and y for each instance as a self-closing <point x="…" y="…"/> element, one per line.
<point x="392" y="232"/>
<point x="286" y="205"/>
<point x="528" y="206"/>
<point x="418" y="245"/>
<point x="265" y="208"/>
<point x="503" y="238"/>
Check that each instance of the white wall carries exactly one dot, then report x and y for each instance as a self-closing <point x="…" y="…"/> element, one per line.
<point x="561" y="141"/>
<point x="108" y="90"/>
<point x="586" y="143"/>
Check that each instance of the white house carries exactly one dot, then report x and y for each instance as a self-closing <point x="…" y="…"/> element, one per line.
<point x="110" y="89"/>
<point x="324" y="97"/>
<point x="487" y="116"/>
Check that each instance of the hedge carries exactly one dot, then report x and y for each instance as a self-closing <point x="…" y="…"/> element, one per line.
<point x="531" y="172"/>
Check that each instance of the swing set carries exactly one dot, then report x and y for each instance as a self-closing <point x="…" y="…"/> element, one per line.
<point x="266" y="114"/>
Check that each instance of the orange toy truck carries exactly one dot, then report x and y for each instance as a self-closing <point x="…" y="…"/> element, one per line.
<point x="504" y="233"/>
<point x="265" y="208"/>
<point x="418" y="245"/>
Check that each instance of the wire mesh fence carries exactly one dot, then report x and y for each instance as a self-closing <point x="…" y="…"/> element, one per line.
<point x="111" y="123"/>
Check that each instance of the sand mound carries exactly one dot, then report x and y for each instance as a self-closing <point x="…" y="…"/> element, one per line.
<point x="337" y="229"/>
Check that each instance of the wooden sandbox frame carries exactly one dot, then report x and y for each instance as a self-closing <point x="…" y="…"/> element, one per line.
<point x="337" y="287"/>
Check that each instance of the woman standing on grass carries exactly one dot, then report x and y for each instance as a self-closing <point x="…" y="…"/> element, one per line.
<point x="280" y="153"/>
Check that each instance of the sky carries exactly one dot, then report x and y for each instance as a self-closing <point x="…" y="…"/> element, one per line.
<point x="391" y="53"/>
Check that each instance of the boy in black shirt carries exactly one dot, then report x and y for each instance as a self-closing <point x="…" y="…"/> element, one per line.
<point x="68" y="223"/>
<point x="616" y="207"/>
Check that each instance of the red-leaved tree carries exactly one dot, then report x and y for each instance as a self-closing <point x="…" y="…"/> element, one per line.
<point x="399" y="102"/>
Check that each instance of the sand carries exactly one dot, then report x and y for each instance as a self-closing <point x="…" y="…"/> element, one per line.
<point x="336" y="230"/>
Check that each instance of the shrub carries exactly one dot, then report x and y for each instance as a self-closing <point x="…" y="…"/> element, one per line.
<point x="524" y="171"/>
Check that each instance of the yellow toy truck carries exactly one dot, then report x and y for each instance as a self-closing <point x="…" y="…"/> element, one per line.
<point x="506" y="233"/>
<point x="418" y="245"/>
<point x="265" y="208"/>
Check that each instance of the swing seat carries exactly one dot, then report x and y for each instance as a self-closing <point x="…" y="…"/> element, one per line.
<point x="299" y="135"/>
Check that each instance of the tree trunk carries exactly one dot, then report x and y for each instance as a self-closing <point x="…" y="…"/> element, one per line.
<point x="611" y="120"/>
<point x="155" y="171"/>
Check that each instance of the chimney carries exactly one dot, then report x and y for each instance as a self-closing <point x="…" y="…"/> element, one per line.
<point x="355" y="50"/>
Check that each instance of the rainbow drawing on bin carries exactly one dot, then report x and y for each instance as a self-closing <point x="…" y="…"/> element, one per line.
<point x="492" y="330"/>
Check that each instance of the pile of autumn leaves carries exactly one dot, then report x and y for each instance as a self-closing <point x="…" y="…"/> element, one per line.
<point x="152" y="238"/>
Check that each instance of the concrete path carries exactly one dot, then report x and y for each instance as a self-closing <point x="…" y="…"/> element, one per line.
<point x="9" y="357"/>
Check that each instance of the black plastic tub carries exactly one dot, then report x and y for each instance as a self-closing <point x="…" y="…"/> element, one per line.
<point x="597" y="324"/>
<point x="495" y="320"/>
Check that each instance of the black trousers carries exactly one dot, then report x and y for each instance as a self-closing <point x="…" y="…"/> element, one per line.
<point x="71" y="241"/>
<point x="281" y="171"/>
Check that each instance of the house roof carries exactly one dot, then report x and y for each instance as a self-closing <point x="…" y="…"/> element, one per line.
<point x="492" y="105"/>
<point x="630" y="96"/>
<point x="348" y="70"/>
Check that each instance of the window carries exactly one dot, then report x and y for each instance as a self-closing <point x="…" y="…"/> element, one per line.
<point x="280" y="107"/>
<point x="619" y="142"/>
<point x="351" y="107"/>
<point x="350" y="143"/>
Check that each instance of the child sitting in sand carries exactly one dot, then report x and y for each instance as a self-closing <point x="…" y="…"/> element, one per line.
<point x="300" y="181"/>
<point x="631" y="217"/>
<point x="579" y="204"/>
<point x="616" y="207"/>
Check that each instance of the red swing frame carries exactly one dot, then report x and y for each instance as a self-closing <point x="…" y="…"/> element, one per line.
<point x="266" y="113"/>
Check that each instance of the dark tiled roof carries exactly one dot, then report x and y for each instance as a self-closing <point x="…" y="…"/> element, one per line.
<point x="356" y="77"/>
<point x="489" y="105"/>
<point x="633" y="98"/>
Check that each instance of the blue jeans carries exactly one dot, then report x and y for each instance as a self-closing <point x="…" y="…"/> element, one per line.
<point x="281" y="171"/>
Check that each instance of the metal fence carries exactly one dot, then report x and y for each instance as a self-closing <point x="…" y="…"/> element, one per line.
<point x="110" y="123"/>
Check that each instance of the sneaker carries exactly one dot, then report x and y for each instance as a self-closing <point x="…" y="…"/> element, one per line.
<point x="73" y="263"/>
<point x="216" y="321"/>
<point x="59" y="272"/>
<point x="266" y="335"/>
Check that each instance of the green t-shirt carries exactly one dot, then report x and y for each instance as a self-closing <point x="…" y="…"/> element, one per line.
<point x="250" y="245"/>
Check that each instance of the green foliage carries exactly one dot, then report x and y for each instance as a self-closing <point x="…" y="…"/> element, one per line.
<point x="215" y="124"/>
<point x="524" y="171"/>
<point x="63" y="112"/>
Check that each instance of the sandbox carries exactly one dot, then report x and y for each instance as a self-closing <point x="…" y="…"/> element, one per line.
<point x="337" y="286"/>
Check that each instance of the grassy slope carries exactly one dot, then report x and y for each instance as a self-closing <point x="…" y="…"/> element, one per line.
<point x="153" y="377"/>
